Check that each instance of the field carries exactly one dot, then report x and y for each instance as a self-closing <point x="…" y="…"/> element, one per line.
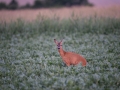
<point x="29" y="59"/>
<point x="61" y="13"/>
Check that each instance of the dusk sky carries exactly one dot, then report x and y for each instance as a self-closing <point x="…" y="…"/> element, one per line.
<point x="95" y="2"/>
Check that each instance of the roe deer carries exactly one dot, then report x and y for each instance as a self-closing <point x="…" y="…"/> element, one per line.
<point x="69" y="58"/>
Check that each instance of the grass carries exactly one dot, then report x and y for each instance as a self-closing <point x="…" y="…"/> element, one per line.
<point x="112" y="11"/>
<point x="29" y="59"/>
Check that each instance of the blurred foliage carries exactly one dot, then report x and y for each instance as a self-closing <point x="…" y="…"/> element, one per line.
<point x="56" y="3"/>
<point x="37" y="4"/>
<point x="44" y="3"/>
<point x="3" y="5"/>
<point x="29" y="59"/>
<point x="13" y="5"/>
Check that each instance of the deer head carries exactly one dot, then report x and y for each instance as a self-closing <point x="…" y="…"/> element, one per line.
<point x="59" y="44"/>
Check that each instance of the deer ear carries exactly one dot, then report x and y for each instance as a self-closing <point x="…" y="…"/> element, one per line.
<point x="61" y="41"/>
<point x="55" y="41"/>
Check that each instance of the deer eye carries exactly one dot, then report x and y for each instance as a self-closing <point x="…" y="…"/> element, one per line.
<point x="58" y="44"/>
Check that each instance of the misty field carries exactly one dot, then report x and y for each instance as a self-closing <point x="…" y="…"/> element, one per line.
<point x="61" y="13"/>
<point x="29" y="59"/>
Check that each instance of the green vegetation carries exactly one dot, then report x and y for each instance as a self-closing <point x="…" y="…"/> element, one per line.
<point x="29" y="59"/>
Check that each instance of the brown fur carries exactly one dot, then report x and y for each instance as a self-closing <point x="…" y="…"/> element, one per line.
<point x="70" y="58"/>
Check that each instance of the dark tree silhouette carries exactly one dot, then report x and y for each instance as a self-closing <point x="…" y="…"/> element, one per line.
<point x="26" y="6"/>
<point x="3" y="5"/>
<point x="45" y="3"/>
<point x="85" y="2"/>
<point x="52" y="3"/>
<point x="37" y="4"/>
<point x="13" y="4"/>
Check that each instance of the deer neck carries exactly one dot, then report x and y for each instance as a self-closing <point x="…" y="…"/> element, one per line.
<point x="61" y="51"/>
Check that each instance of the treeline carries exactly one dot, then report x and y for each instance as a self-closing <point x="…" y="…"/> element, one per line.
<point x="44" y="4"/>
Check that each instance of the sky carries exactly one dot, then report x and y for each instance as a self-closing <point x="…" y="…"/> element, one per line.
<point x="95" y="2"/>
